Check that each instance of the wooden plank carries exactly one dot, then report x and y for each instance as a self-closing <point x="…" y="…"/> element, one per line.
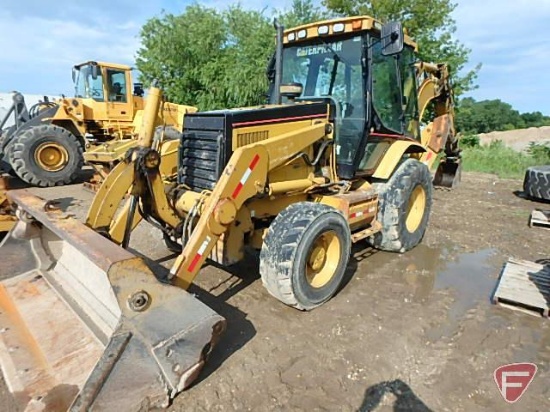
<point x="540" y="218"/>
<point x="524" y="286"/>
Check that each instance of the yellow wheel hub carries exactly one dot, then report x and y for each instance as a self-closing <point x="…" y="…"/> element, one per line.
<point x="323" y="259"/>
<point x="51" y="156"/>
<point x="416" y="208"/>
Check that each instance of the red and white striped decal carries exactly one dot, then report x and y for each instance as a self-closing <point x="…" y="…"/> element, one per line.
<point x="361" y="213"/>
<point x="245" y="176"/>
<point x="199" y="254"/>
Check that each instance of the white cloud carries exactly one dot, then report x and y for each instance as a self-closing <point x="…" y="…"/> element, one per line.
<point x="40" y="42"/>
<point x="511" y="39"/>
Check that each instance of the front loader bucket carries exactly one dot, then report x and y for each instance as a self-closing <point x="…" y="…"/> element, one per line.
<point x="448" y="173"/>
<point x="85" y="325"/>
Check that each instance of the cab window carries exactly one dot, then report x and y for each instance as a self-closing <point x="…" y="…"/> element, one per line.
<point x="116" y="84"/>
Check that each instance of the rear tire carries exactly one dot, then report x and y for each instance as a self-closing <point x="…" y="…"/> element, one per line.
<point x="305" y="255"/>
<point x="404" y="207"/>
<point x="46" y="155"/>
<point x="536" y="184"/>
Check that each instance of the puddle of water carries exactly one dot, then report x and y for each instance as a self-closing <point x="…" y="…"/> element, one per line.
<point x="470" y="279"/>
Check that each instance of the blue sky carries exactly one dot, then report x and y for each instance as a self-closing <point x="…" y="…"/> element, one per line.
<point x="40" y="41"/>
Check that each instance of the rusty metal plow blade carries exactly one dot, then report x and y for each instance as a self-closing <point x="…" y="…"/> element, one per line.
<point x="85" y="325"/>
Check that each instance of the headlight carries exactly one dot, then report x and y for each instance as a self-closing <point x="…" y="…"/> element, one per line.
<point x="291" y="36"/>
<point x="302" y="34"/>
<point x="322" y="30"/>
<point x="338" y="27"/>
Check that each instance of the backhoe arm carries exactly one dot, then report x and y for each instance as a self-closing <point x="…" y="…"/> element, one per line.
<point x="244" y="177"/>
<point x="440" y="134"/>
<point x="436" y="88"/>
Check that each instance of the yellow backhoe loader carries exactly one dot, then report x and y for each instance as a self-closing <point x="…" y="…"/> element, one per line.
<point x="336" y="157"/>
<point x="48" y="143"/>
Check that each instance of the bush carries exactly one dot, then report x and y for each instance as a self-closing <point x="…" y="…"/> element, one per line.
<point x="469" y="140"/>
<point x="501" y="160"/>
<point x="540" y="151"/>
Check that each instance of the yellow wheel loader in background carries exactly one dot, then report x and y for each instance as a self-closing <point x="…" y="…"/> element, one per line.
<point x="337" y="157"/>
<point x="48" y="143"/>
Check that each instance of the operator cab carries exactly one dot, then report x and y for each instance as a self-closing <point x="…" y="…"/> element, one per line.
<point x="102" y="83"/>
<point x="366" y="72"/>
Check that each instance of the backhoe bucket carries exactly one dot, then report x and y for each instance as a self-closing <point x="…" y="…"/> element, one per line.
<point x="448" y="173"/>
<point x="85" y="325"/>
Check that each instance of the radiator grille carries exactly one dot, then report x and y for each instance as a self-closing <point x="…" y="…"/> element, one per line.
<point x="247" y="138"/>
<point x="202" y="153"/>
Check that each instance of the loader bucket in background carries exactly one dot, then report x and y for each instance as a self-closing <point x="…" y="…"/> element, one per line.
<point x="448" y="173"/>
<point x="85" y="325"/>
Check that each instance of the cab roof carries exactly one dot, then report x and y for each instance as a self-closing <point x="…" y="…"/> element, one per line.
<point x="105" y="64"/>
<point x="351" y="25"/>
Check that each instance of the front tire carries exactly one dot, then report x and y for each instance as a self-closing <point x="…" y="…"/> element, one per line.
<point x="305" y="254"/>
<point x="404" y="207"/>
<point x="46" y="155"/>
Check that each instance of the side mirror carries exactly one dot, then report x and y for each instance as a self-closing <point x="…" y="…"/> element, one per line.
<point x="95" y="71"/>
<point x="392" y="37"/>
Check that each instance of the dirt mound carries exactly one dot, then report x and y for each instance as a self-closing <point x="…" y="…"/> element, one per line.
<point x="518" y="139"/>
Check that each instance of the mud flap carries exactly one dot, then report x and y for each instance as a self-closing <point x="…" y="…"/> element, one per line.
<point x="448" y="173"/>
<point x="85" y="325"/>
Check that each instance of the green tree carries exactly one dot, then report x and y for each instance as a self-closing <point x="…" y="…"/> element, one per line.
<point x="492" y="115"/>
<point x="429" y="22"/>
<point x="208" y="58"/>
<point x="535" y="119"/>
<point x="302" y="12"/>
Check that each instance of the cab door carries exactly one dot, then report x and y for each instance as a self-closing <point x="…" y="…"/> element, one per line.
<point x="118" y="95"/>
<point x="393" y="103"/>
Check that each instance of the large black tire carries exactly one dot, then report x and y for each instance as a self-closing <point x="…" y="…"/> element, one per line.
<point x="401" y="211"/>
<point x="22" y="156"/>
<point x="536" y="184"/>
<point x="285" y="259"/>
<point x="4" y="150"/>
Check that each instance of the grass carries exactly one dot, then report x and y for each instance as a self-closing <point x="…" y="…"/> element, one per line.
<point x="503" y="161"/>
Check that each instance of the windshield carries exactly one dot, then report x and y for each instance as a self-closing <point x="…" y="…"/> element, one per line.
<point x="88" y="87"/>
<point x="333" y="69"/>
<point x="326" y="69"/>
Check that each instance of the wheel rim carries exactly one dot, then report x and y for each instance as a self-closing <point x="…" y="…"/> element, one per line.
<point x="323" y="258"/>
<point x="416" y="208"/>
<point x="51" y="156"/>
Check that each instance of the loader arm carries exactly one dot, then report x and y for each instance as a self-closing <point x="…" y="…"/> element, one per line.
<point x="134" y="176"/>
<point x="244" y="177"/>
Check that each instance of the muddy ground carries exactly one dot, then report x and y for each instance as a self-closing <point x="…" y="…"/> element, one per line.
<point x="408" y="332"/>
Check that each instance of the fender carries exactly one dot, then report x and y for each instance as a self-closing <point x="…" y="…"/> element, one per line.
<point x="393" y="156"/>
